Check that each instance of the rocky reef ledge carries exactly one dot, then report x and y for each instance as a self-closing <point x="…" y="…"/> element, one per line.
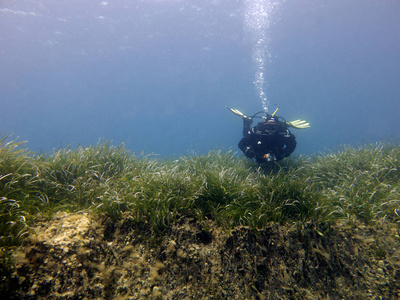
<point x="83" y="256"/>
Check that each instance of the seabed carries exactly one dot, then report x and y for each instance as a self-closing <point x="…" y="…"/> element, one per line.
<point x="100" y="222"/>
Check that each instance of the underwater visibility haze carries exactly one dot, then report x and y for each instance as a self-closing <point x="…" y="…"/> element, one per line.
<point x="157" y="74"/>
<point x="127" y="77"/>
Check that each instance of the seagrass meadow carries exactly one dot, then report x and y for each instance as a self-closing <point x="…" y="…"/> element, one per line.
<point x="350" y="188"/>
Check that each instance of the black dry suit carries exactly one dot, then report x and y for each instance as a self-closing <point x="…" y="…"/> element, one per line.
<point x="269" y="140"/>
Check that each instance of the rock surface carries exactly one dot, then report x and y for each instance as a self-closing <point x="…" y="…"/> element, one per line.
<point x="80" y="256"/>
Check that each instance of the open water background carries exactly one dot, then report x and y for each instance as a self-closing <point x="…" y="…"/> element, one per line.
<point x="158" y="74"/>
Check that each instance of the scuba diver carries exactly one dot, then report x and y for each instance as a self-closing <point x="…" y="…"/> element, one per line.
<point x="270" y="140"/>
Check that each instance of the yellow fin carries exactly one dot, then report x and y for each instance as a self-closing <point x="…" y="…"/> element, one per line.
<point x="299" y="124"/>
<point x="237" y="112"/>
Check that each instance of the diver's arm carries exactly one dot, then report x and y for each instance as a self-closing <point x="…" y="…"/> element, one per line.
<point x="290" y="144"/>
<point x="245" y="145"/>
<point x="247" y="126"/>
<point x="247" y="121"/>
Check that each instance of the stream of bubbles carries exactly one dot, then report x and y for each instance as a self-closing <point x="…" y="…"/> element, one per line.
<point x="258" y="15"/>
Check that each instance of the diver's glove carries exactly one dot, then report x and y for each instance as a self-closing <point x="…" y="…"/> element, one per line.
<point x="238" y="113"/>
<point x="298" y="124"/>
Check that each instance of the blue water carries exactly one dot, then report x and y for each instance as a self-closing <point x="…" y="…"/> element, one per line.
<point x="158" y="74"/>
